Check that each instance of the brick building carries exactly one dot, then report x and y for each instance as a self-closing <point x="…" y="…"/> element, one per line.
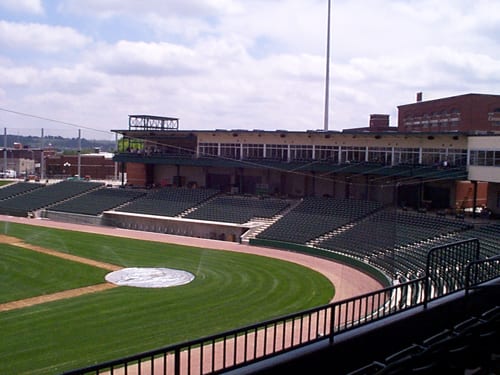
<point x="98" y="166"/>
<point x="463" y="113"/>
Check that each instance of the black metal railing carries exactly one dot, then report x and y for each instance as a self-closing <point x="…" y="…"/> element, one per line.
<point x="445" y="267"/>
<point x="481" y="271"/>
<point x="241" y="347"/>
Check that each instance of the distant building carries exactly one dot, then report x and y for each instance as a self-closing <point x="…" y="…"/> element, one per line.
<point x="98" y="166"/>
<point x="472" y="113"/>
<point x="22" y="160"/>
<point x="378" y="123"/>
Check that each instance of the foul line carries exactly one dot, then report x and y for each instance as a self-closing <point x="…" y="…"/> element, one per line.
<point x="59" y="295"/>
<point x="19" y="243"/>
<point x="55" y="296"/>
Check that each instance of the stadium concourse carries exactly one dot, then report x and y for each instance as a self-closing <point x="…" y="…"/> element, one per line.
<point x="348" y="281"/>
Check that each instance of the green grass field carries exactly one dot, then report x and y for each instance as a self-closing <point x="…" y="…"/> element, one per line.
<point x="5" y="182"/>
<point x="26" y="273"/>
<point x="230" y="290"/>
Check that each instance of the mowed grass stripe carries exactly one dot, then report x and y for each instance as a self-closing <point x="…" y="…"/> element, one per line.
<point x="25" y="273"/>
<point x="230" y="290"/>
<point x="17" y="242"/>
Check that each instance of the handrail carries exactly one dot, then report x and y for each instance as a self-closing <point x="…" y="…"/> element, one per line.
<point x="481" y="271"/>
<point x="446" y="263"/>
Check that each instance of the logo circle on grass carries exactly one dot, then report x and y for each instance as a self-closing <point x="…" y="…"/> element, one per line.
<point x="143" y="277"/>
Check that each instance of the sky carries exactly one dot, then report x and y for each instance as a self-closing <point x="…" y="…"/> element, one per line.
<point x="81" y="67"/>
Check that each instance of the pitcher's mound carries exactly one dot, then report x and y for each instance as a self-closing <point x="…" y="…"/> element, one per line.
<point x="149" y="277"/>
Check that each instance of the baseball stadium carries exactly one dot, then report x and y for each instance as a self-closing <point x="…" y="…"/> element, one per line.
<point x="366" y="251"/>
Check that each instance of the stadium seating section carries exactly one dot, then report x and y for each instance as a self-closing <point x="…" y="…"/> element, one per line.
<point x="169" y="201"/>
<point x="11" y="190"/>
<point x="238" y="209"/>
<point x="389" y="235"/>
<point x="97" y="201"/>
<point x="23" y="204"/>
<point x="315" y="216"/>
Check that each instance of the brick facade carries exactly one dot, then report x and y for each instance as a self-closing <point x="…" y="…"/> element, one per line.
<point x="463" y="113"/>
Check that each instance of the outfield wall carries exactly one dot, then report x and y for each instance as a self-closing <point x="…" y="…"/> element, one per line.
<point x="68" y="217"/>
<point x="173" y="225"/>
<point x="151" y="223"/>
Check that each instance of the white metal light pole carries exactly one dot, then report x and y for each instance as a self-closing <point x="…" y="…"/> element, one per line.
<point x="327" y="75"/>
<point x="5" y="165"/>
<point x="79" y="154"/>
<point x="42" y="161"/>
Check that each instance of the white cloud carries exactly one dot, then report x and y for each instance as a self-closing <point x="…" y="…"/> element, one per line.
<point x="143" y="59"/>
<point x="246" y="64"/>
<point x="12" y="76"/>
<point x="40" y="37"/>
<point x="24" y="6"/>
<point x="183" y="8"/>
<point x="171" y="26"/>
